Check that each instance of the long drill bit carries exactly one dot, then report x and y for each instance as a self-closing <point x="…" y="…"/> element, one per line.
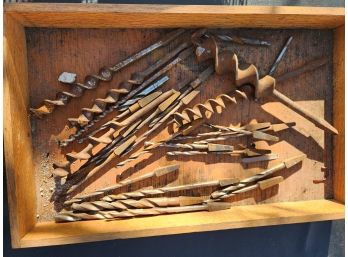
<point x="156" y="173"/>
<point x="114" y="133"/>
<point x="224" y="133"/>
<point x="287" y="163"/>
<point x="114" y="106"/>
<point x="105" y="74"/>
<point x="144" y="203"/>
<point x="163" y="190"/>
<point x="72" y="216"/>
<point x="184" y="99"/>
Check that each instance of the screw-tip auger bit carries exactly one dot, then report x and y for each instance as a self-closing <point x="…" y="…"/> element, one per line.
<point x="105" y="74"/>
<point x="227" y="62"/>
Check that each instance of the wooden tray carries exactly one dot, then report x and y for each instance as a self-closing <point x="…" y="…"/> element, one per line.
<point x="34" y="57"/>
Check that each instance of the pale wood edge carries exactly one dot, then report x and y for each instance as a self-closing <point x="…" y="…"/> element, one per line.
<point x="338" y="115"/>
<point x="51" y="233"/>
<point x="156" y="16"/>
<point x="156" y="8"/>
<point x="17" y="146"/>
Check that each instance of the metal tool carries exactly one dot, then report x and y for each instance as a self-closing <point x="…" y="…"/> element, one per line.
<point x="287" y="163"/>
<point x="227" y="62"/>
<point x="190" y="91"/>
<point x="156" y="173"/>
<point x="199" y="111"/>
<point x="130" y="93"/>
<point x="72" y="216"/>
<point x="256" y="130"/>
<point x="114" y="134"/>
<point x="144" y="203"/>
<point x="167" y="189"/>
<point x="105" y="74"/>
<point x="279" y="57"/>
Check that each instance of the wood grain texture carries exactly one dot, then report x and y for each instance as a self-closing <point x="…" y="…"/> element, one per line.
<point x="50" y="233"/>
<point x="17" y="135"/>
<point x="166" y="16"/>
<point x="338" y="114"/>
<point x="51" y="51"/>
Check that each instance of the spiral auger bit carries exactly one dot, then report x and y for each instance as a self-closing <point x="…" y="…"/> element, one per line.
<point x="112" y="101"/>
<point x="92" y="81"/>
<point x="207" y="47"/>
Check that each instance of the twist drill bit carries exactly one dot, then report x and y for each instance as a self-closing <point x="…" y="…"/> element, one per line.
<point x="194" y="146"/>
<point x="156" y="173"/>
<point x="262" y="185"/>
<point x="184" y="99"/>
<point x="187" y="129"/>
<point x="287" y="163"/>
<point x="227" y="62"/>
<point x="92" y="81"/>
<point x="159" y="191"/>
<point x="224" y="133"/>
<point x="114" y="133"/>
<point x="84" y="126"/>
<point x="75" y="216"/>
<point x="111" y="151"/>
<point x="122" y="205"/>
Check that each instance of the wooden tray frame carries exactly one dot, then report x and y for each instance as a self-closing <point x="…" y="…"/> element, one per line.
<point x="26" y="232"/>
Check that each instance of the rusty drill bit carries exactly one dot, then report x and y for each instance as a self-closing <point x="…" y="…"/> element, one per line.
<point x="72" y="216"/>
<point x="144" y="203"/>
<point x="287" y="163"/>
<point x="88" y="121"/>
<point x="91" y="81"/>
<point x="163" y="190"/>
<point x="156" y="173"/>
<point x="227" y="62"/>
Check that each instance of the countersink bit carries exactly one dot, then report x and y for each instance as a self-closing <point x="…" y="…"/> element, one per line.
<point x="287" y="163"/>
<point x="91" y="81"/>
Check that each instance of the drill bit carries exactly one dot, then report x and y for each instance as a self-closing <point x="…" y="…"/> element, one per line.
<point x="227" y="62"/>
<point x="163" y="190"/>
<point x="88" y="122"/>
<point x="144" y="203"/>
<point x="72" y="216"/>
<point x="105" y="74"/>
<point x="287" y="163"/>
